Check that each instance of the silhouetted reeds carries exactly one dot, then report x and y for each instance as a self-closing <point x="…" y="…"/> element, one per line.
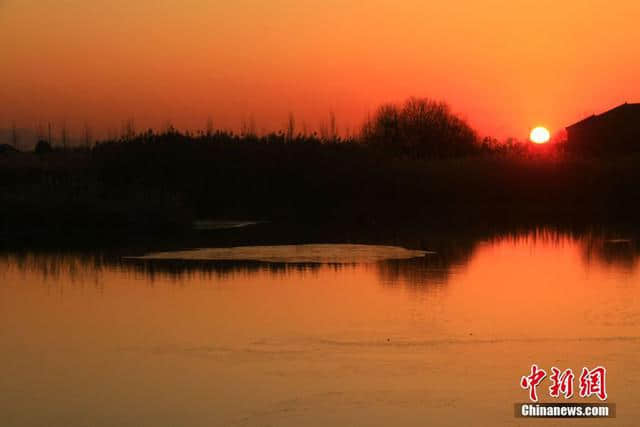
<point x="416" y="162"/>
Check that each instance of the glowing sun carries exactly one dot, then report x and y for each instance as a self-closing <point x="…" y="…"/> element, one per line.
<point x="539" y="135"/>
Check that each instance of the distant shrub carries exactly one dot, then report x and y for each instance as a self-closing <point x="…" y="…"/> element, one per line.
<point x="43" y="147"/>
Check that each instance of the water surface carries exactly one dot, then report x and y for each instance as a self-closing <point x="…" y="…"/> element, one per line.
<point x="89" y="340"/>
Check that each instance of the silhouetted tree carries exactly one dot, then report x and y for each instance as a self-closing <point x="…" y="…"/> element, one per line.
<point x="42" y="147"/>
<point x="420" y="128"/>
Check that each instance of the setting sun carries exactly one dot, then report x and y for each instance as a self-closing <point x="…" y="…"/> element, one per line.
<point x="539" y="135"/>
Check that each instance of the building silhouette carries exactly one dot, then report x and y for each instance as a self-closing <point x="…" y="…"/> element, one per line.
<point x="616" y="131"/>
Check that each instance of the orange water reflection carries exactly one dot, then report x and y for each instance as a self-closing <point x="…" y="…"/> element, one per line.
<point x="442" y="340"/>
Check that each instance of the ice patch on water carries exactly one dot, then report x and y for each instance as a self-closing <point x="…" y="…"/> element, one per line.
<point x="314" y="253"/>
<point x="218" y="225"/>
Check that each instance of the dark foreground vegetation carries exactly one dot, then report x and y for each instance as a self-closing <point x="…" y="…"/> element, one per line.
<point x="417" y="162"/>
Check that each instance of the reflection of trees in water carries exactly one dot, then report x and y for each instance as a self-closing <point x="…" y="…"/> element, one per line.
<point x="178" y="270"/>
<point x="83" y="267"/>
<point x="432" y="270"/>
<point x="79" y="267"/>
<point x="610" y="251"/>
<point x="452" y="251"/>
<point x="598" y="246"/>
<point x="455" y="250"/>
<point x="56" y="265"/>
<point x="57" y="270"/>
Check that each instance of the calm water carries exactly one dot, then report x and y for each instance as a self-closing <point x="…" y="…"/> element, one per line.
<point x="442" y="340"/>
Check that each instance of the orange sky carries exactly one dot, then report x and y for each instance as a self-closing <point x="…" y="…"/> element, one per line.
<point x="503" y="65"/>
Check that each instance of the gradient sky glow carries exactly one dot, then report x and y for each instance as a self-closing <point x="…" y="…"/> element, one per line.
<point x="504" y="65"/>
